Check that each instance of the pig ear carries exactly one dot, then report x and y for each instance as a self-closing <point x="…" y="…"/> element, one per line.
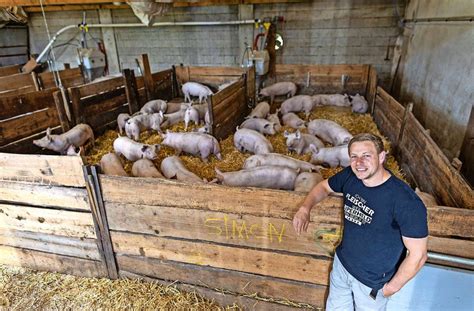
<point x="161" y="114"/>
<point x="48" y="132"/>
<point x="298" y="134"/>
<point x="285" y="133"/>
<point x="313" y="148"/>
<point x="266" y="125"/>
<point x="157" y="147"/>
<point x="144" y="148"/>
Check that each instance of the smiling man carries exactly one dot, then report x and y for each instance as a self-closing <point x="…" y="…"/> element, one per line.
<point x="384" y="243"/>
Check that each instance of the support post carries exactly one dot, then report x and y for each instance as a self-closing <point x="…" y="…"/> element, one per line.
<point x="108" y="33"/>
<point x="148" y="79"/>
<point x="131" y="90"/>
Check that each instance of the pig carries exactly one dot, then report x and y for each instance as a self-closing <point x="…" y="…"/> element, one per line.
<point x="142" y="122"/>
<point x="260" y="125"/>
<point x="276" y="159"/>
<point x="197" y="144"/>
<point x="121" y="120"/>
<point x="332" y="100"/>
<point x="292" y="120"/>
<point x="191" y="114"/>
<point x="154" y="106"/>
<point x="359" y="104"/>
<point x="261" y="110"/>
<point x="246" y="140"/>
<point x="427" y="198"/>
<point x="75" y="151"/>
<point x="174" y="118"/>
<point x="172" y="167"/>
<point x="133" y="150"/>
<point x="280" y="88"/>
<point x="174" y="107"/>
<point x="203" y="109"/>
<point x="298" y="103"/>
<point x="274" y="177"/>
<point x="329" y="131"/>
<point x="306" y="181"/>
<point x="332" y="156"/>
<point x="206" y="129"/>
<point x="110" y="164"/>
<point x="76" y="136"/>
<point x="275" y="120"/>
<point x="299" y="142"/>
<point x="145" y="168"/>
<point x="195" y="89"/>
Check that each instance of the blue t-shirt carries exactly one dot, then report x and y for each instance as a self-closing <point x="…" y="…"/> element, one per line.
<point x="375" y="219"/>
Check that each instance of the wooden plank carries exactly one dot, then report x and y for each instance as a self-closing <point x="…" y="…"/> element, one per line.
<point x="16" y="81"/>
<point x="46" y="196"/>
<point x="98" y="99"/>
<point x="27" y="125"/>
<point x="11" y="106"/>
<point x="9" y="70"/>
<point x="391" y="103"/>
<point x="60" y="245"/>
<point x="61" y="105"/>
<point x="162" y="75"/>
<point x="228" y="107"/>
<point x="251" y="76"/>
<point x="149" y="85"/>
<point x="107" y="119"/>
<point x="42" y="261"/>
<point x="450" y="221"/>
<point x="50" y="221"/>
<point x="100" y="87"/>
<point x="226" y="120"/>
<point x="42" y="169"/>
<point x="246" y="301"/>
<point x="19" y="91"/>
<point x="95" y="107"/>
<point x="228" y="91"/>
<point x="224" y="228"/>
<point x="371" y="88"/>
<point x="292" y="267"/>
<point x="131" y="91"/>
<point x="69" y="78"/>
<point x="77" y="107"/>
<point x="214" y="71"/>
<point x="453" y="247"/>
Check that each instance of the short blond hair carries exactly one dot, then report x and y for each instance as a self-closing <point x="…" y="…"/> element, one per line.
<point x="378" y="143"/>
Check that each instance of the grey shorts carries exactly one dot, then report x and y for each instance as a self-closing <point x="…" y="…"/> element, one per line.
<point x="347" y="293"/>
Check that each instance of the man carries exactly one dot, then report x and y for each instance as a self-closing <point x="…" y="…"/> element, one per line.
<point x="383" y="218"/>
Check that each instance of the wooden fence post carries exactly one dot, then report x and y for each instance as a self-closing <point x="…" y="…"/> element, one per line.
<point x="148" y="79"/>
<point x="78" y="110"/>
<point x="406" y="113"/>
<point x="131" y="90"/>
<point x="60" y="107"/>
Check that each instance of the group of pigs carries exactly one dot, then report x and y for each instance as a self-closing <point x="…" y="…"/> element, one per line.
<point x="263" y="169"/>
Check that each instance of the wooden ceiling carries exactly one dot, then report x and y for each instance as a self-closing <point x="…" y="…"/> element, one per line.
<point x="67" y="5"/>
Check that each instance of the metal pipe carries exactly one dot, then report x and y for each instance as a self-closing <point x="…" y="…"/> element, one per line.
<point x="452" y="259"/>
<point x="161" y="24"/>
<point x="439" y="19"/>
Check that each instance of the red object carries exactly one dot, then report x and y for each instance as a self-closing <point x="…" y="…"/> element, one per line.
<point x="255" y="42"/>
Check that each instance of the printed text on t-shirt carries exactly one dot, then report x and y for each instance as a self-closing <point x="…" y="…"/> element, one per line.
<point x="357" y="211"/>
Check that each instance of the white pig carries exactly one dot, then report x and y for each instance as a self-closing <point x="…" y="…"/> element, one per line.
<point x="359" y="104"/>
<point x="142" y="122"/>
<point x="298" y="103"/>
<point x="292" y="120"/>
<point x="329" y="131"/>
<point x="306" y="181"/>
<point x="273" y="177"/>
<point x="275" y="120"/>
<point x="154" y="106"/>
<point x="204" y="129"/>
<point x="133" y="150"/>
<point x="145" y="168"/>
<point x="197" y="144"/>
<point x="261" y="110"/>
<point x="246" y="140"/>
<point x="191" y="114"/>
<point x="76" y="136"/>
<point x="121" y="120"/>
<point x="333" y="100"/>
<point x="173" y="107"/>
<point x="172" y="167"/>
<point x="277" y="159"/>
<point x="195" y="89"/>
<point x="260" y="125"/>
<point x="332" y="157"/>
<point x="280" y="88"/>
<point x="174" y="117"/>
<point x="111" y="165"/>
<point x="203" y="109"/>
<point x="299" y="142"/>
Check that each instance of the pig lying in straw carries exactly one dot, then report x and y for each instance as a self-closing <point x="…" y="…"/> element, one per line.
<point x="111" y="165"/>
<point x="246" y="140"/>
<point x="197" y="144"/>
<point x="306" y="181"/>
<point x="77" y="136"/>
<point x="172" y="167"/>
<point x="332" y="157"/>
<point x="145" y="168"/>
<point x="276" y="159"/>
<point x="133" y="150"/>
<point x="298" y="103"/>
<point x="299" y="142"/>
<point x="329" y="131"/>
<point x="280" y="88"/>
<point x="273" y="177"/>
<point x="195" y="89"/>
<point x="359" y="104"/>
<point x="275" y="120"/>
<point x="262" y="126"/>
<point x="331" y="100"/>
<point x="292" y="120"/>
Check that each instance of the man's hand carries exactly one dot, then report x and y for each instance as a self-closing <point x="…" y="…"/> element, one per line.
<point x="301" y="220"/>
<point x="388" y="291"/>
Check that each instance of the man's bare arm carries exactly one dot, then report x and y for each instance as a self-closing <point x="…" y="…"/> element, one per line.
<point x="316" y="195"/>
<point x="413" y="262"/>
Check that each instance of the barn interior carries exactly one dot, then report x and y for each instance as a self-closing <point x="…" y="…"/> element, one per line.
<point x="195" y="238"/>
